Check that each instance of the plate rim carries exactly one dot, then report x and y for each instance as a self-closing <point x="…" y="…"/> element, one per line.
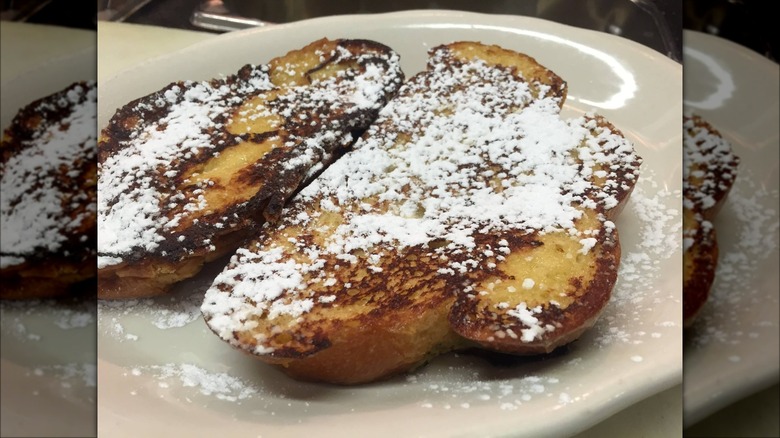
<point x="421" y="14"/>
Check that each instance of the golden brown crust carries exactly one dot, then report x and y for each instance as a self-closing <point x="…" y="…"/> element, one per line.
<point x="523" y="65"/>
<point x="155" y="275"/>
<point x="400" y="251"/>
<point x="370" y="348"/>
<point x="573" y="289"/>
<point x="54" y="278"/>
<point x="250" y="141"/>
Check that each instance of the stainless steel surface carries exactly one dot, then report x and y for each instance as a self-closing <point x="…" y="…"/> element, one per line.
<point x="223" y="22"/>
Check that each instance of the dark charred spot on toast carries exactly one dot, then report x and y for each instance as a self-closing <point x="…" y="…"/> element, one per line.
<point x="369" y="48"/>
<point x="299" y="344"/>
<point x="372" y="52"/>
<point x="244" y="74"/>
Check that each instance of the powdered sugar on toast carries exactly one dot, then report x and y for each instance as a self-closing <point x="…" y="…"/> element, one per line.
<point x="709" y="164"/>
<point x="41" y="209"/>
<point x="431" y="172"/>
<point x="141" y="207"/>
<point x="127" y="177"/>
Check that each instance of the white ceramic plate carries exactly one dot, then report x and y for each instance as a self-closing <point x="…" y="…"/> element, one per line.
<point x="48" y="351"/>
<point x="159" y="362"/>
<point x="732" y="350"/>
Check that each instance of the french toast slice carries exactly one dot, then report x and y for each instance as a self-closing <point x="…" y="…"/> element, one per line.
<point x="469" y="214"/>
<point x="49" y="191"/>
<point x="188" y="172"/>
<point x="709" y="172"/>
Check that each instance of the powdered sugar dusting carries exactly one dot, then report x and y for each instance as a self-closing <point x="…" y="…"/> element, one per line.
<point x="508" y="395"/>
<point x="41" y="210"/>
<point x="171" y="311"/>
<point x="69" y="375"/>
<point x="69" y="319"/>
<point x="709" y="164"/>
<point x="128" y="204"/>
<point x="16" y="317"/>
<point x="636" y="294"/>
<point x="461" y="382"/>
<point x="557" y="380"/>
<point x="463" y="150"/>
<point x="216" y="384"/>
<point x="142" y="204"/>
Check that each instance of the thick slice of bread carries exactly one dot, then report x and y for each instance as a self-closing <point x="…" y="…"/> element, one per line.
<point x="710" y="168"/>
<point x="186" y="173"/>
<point x="469" y="214"/>
<point x="49" y="191"/>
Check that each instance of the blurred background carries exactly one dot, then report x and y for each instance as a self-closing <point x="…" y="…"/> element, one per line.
<point x="653" y="23"/>
<point x="75" y="14"/>
<point x="749" y="23"/>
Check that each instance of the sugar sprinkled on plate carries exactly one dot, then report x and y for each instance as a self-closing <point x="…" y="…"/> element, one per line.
<point x="16" y="316"/>
<point x="217" y="384"/>
<point x="177" y="309"/>
<point x="726" y="318"/>
<point x="70" y="374"/>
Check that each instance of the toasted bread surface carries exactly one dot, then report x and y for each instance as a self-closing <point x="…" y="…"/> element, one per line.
<point x="469" y="214"/>
<point x="49" y="192"/>
<point x="187" y="172"/>
<point x="709" y="172"/>
<point x="700" y="261"/>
